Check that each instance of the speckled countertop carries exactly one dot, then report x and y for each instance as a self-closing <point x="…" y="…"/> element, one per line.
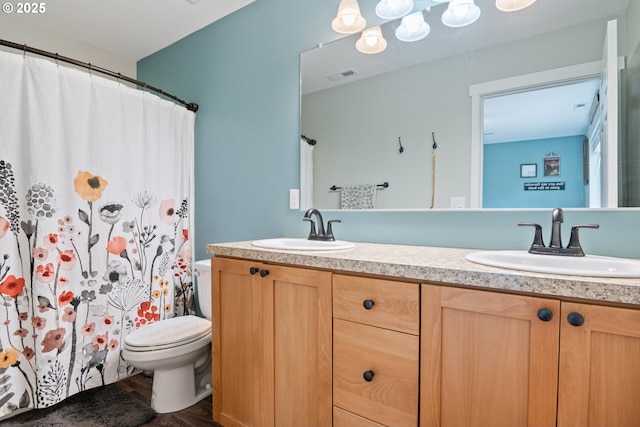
<point x="444" y="265"/>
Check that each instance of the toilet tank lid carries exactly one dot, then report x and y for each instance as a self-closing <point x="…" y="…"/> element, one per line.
<point x="203" y="265"/>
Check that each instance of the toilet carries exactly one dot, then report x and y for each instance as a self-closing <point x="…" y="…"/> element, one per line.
<point x="178" y="351"/>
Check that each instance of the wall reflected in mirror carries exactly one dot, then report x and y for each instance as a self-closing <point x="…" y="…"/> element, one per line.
<point x="566" y="149"/>
<point x="358" y="114"/>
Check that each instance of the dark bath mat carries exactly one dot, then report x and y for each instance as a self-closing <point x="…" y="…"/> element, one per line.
<point x="108" y="406"/>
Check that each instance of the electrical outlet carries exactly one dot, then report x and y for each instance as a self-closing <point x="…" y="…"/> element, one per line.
<point x="457" y="202"/>
<point x="294" y="199"/>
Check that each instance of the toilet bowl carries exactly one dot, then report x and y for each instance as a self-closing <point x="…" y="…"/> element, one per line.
<point x="178" y="351"/>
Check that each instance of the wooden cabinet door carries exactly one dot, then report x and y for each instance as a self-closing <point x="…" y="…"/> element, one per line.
<point x="487" y="359"/>
<point x="298" y="360"/>
<point x="237" y="344"/>
<point x="271" y="345"/>
<point x="599" y="366"/>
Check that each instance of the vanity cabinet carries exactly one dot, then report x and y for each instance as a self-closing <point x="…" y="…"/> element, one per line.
<point x="376" y="351"/>
<point x="500" y="359"/>
<point x="271" y="345"/>
<point x="303" y="346"/>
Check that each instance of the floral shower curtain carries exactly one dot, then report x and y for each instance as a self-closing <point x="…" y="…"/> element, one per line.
<point x="95" y="213"/>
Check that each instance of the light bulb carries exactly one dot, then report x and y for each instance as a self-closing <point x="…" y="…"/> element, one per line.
<point x="371" y="41"/>
<point x="412" y="28"/>
<point x="348" y="20"/>
<point x="393" y="9"/>
<point x="460" y="13"/>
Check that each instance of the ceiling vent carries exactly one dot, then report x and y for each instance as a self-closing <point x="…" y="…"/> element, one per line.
<point x="341" y="75"/>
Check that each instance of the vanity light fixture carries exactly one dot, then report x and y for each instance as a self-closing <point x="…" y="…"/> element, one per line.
<point x="460" y="13"/>
<point x="412" y="28"/>
<point x="393" y="9"/>
<point x="371" y="41"/>
<point x="348" y="20"/>
<point x="513" y="5"/>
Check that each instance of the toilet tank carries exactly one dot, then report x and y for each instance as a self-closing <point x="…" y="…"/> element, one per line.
<point x="203" y="286"/>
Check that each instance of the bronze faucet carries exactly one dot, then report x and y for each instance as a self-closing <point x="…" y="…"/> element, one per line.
<point x="555" y="245"/>
<point x="320" y="234"/>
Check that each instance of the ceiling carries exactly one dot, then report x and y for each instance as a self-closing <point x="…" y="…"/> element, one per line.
<point x="550" y="112"/>
<point x="133" y="29"/>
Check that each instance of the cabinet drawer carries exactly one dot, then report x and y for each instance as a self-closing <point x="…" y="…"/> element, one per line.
<point x="392" y="304"/>
<point x="391" y="396"/>
<point x="342" y="418"/>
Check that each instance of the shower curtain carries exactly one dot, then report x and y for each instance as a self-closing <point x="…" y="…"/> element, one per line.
<point x="95" y="212"/>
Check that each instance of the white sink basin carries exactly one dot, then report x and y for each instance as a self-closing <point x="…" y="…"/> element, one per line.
<point x="589" y="265"/>
<point x="292" y="244"/>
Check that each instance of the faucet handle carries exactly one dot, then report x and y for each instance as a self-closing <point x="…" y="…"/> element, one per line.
<point x="329" y="234"/>
<point x="313" y="232"/>
<point x="538" y="242"/>
<point x="574" y="240"/>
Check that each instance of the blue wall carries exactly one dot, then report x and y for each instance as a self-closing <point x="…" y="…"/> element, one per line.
<point x="244" y="72"/>
<point x="504" y="188"/>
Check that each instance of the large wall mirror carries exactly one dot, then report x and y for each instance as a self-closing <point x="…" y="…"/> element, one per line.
<point x="498" y="114"/>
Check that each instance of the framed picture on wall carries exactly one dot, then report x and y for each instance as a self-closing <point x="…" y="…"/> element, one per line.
<point x="551" y="162"/>
<point x="528" y="170"/>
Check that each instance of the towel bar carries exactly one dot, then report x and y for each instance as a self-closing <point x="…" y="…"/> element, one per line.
<point x="380" y="186"/>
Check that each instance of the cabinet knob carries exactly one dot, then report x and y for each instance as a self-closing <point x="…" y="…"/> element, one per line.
<point x="253" y="270"/>
<point x="575" y="319"/>
<point x="264" y="273"/>
<point x="368" y="376"/>
<point x="545" y="314"/>
<point x="367" y="304"/>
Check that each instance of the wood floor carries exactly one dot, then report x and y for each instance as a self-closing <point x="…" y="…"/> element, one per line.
<point x="197" y="415"/>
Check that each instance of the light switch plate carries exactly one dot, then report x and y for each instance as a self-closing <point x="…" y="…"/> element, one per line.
<point x="457" y="202"/>
<point x="294" y="198"/>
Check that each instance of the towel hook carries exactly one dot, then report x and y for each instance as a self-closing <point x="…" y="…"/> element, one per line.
<point x="401" y="149"/>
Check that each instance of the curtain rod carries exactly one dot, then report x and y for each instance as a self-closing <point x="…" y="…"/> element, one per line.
<point x="191" y="106"/>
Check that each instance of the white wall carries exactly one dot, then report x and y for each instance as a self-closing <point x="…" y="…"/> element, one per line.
<point x="15" y="30"/>
<point x="357" y="125"/>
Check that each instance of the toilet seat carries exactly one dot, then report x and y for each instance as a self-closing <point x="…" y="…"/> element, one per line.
<point x="169" y="333"/>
